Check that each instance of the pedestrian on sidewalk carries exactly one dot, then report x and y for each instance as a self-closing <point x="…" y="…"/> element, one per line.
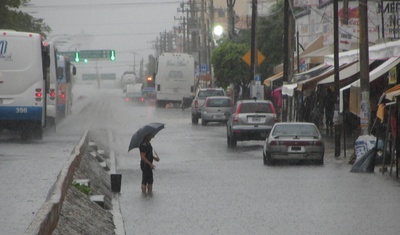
<point x="146" y="165"/>
<point x="329" y="104"/>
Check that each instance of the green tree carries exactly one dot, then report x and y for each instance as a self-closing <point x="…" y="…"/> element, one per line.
<point x="229" y="68"/>
<point x="14" y="19"/>
<point x="270" y="39"/>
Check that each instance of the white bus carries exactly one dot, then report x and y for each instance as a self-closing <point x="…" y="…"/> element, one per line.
<point x="53" y="74"/>
<point x="174" y="78"/>
<point x="66" y="70"/>
<point x="24" y="62"/>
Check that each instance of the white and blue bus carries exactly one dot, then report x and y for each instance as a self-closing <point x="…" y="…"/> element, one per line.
<point x="24" y="62"/>
<point x="53" y="75"/>
<point x="174" y="78"/>
<point x="66" y="70"/>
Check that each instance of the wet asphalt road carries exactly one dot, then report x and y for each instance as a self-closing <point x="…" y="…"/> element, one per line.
<point x="202" y="187"/>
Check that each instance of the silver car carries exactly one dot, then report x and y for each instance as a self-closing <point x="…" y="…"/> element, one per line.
<point x="214" y="109"/>
<point x="294" y="141"/>
<point x="251" y="120"/>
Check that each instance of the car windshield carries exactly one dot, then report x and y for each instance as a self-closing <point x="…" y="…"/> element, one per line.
<point x="208" y="93"/>
<point x="255" y="108"/>
<point x="295" y="130"/>
<point x="219" y="103"/>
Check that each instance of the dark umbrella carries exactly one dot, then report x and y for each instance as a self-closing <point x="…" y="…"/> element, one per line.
<point x="138" y="136"/>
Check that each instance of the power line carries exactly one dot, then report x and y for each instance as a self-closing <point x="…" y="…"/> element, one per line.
<point x="31" y="6"/>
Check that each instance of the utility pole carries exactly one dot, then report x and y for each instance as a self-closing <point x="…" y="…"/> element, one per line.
<point x="203" y="33"/>
<point x="288" y="50"/>
<point x="336" y="71"/>
<point x="231" y="18"/>
<point x="365" y="109"/>
<point x="253" y="51"/>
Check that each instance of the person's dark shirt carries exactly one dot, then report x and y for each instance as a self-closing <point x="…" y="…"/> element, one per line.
<point x="148" y="149"/>
<point x="329" y="102"/>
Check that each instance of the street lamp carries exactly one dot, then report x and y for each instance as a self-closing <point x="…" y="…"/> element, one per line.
<point x="218" y="30"/>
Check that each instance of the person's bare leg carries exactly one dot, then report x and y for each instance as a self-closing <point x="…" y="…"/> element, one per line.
<point x="150" y="189"/>
<point x="143" y="189"/>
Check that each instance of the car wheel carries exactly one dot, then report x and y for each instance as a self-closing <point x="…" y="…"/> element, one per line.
<point x="195" y="119"/>
<point x="232" y="142"/>
<point x="267" y="159"/>
<point x="320" y="161"/>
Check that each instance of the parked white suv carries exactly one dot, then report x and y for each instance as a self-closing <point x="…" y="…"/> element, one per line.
<point x="199" y="99"/>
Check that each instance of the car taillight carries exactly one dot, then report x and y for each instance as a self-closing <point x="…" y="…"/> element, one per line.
<point x="127" y="99"/>
<point x="52" y="94"/>
<point x="196" y="104"/>
<point x="38" y="94"/>
<point x="317" y="143"/>
<point x="62" y="94"/>
<point x="236" y="117"/>
<point x="142" y="99"/>
<point x="273" y="142"/>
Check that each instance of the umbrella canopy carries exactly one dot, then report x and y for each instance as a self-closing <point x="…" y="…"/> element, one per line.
<point x="138" y="136"/>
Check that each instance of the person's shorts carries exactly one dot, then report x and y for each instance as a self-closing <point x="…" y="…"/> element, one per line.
<point x="147" y="176"/>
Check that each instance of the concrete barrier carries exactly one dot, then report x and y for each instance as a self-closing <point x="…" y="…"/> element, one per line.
<point x="45" y="221"/>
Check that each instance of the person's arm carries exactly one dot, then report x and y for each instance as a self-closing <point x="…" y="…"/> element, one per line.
<point x="156" y="157"/>
<point x="144" y="159"/>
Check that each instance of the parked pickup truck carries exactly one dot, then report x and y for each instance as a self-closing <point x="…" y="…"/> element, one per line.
<point x="199" y="99"/>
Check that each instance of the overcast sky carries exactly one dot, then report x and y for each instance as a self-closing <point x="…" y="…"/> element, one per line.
<point x="127" y="26"/>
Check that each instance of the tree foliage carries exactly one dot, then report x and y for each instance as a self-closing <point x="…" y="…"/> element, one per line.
<point x="229" y="68"/>
<point x="14" y="19"/>
<point x="270" y="39"/>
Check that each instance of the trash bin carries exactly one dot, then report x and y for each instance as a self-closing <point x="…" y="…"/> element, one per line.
<point x="116" y="183"/>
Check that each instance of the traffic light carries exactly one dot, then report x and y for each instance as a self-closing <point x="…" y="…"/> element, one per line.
<point x="112" y="55"/>
<point x="77" y="59"/>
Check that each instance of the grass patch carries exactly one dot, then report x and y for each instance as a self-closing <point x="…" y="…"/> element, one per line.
<point x="83" y="188"/>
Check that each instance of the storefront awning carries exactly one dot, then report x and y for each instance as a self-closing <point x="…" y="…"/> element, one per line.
<point x="288" y="89"/>
<point x="380" y="51"/>
<point x="343" y="74"/>
<point x="268" y="81"/>
<point x="373" y="75"/>
<point x="298" y="77"/>
<point x="311" y="84"/>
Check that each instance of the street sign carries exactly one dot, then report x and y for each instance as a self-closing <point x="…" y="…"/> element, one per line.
<point x="95" y="54"/>
<point x="70" y="54"/>
<point x="108" y="76"/>
<point x="103" y="76"/>
<point x="247" y="57"/>
<point x="203" y="68"/>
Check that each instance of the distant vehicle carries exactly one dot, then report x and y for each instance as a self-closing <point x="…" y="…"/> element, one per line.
<point x="251" y="120"/>
<point x="134" y="92"/>
<point x="214" y="109"/>
<point x="128" y="78"/>
<point x="174" y="78"/>
<point x="52" y="91"/>
<point x="294" y="140"/>
<point x="199" y="99"/>
<point x="24" y="81"/>
<point x="66" y="70"/>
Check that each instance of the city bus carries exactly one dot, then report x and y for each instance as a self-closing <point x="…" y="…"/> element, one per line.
<point x="66" y="70"/>
<point x="24" y="61"/>
<point x="174" y="78"/>
<point x="53" y="74"/>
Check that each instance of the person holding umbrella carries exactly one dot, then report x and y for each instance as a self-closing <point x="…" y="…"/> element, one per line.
<point x="146" y="164"/>
<point x="141" y="139"/>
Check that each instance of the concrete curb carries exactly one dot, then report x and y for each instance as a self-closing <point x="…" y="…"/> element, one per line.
<point x="45" y="221"/>
<point x="116" y="211"/>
